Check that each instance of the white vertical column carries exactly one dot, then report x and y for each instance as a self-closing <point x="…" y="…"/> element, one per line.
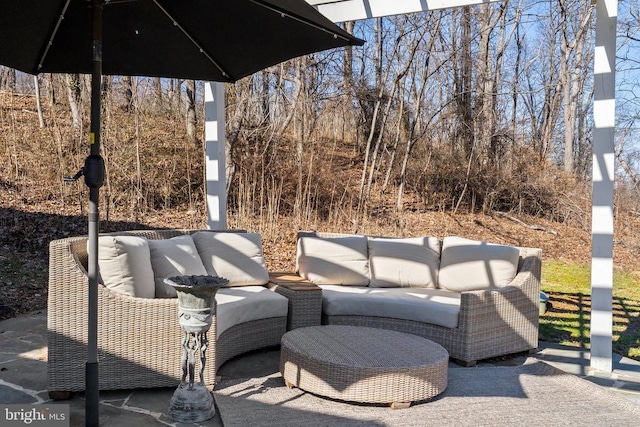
<point x="603" y="186"/>
<point x="215" y="177"/>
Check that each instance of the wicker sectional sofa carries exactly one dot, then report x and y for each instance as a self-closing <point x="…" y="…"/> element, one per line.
<point x="139" y="338"/>
<point x="477" y="300"/>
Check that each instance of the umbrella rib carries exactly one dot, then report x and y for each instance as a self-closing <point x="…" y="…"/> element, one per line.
<point x="194" y="41"/>
<point x="53" y="35"/>
<point x="299" y="19"/>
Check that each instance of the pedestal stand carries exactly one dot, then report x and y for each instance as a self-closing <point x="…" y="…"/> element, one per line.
<point x="192" y="402"/>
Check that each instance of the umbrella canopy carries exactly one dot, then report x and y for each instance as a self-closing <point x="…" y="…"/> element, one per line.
<point x="215" y="40"/>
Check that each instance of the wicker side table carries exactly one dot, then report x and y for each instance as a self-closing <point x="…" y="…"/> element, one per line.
<point x="305" y="299"/>
<point x="362" y="364"/>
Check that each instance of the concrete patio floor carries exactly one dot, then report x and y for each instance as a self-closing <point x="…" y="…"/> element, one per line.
<point x="23" y="376"/>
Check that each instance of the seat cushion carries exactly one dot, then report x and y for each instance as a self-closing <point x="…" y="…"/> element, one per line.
<point x="403" y="262"/>
<point x="234" y="256"/>
<point x="333" y="260"/>
<point x="125" y="265"/>
<point x="470" y="265"/>
<point x="246" y="303"/>
<point x="177" y="256"/>
<point x="426" y="305"/>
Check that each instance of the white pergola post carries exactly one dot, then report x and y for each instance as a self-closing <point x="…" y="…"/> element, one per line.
<point x="215" y="177"/>
<point x="603" y="186"/>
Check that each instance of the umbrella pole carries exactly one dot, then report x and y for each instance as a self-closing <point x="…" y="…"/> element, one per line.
<point x="94" y="176"/>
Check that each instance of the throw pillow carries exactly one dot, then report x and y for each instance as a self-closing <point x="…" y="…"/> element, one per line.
<point x="406" y="263"/>
<point x="333" y="260"/>
<point x="469" y="265"/>
<point x="235" y="256"/>
<point x="177" y="256"/>
<point x="125" y="266"/>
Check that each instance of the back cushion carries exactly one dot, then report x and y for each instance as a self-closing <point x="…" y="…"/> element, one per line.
<point x="333" y="260"/>
<point x="177" y="256"/>
<point x="469" y="265"/>
<point x="234" y="256"/>
<point x="407" y="263"/>
<point x="125" y="265"/>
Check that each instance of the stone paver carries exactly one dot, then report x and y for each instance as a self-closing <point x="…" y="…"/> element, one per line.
<point x="23" y="376"/>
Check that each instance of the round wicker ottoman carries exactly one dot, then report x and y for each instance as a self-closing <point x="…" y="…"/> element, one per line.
<point x="361" y="364"/>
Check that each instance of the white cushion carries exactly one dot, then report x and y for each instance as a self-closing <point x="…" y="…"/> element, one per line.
<point x="125" y="265"/>
<point x="408" y="262"/>
<point x="234" y="256"/>
<point x="469" y="265"/>
<point x="177" y="256"/>
<point x="333" y="260"/>
<point x="426" y="305"/>
<point x="246" y="303"/>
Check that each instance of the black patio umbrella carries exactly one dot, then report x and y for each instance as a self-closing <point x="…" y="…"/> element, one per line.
<point x="214" y="40"/>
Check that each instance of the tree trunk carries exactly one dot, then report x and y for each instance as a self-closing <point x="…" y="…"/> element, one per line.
<point x="157" y="94"/>
<point x="190" y="115"/>
<point x="485" y="120"/>
<point x="127" y="89"/>
<point x="51" y="89"/>
<point x="416" y="113"/>
<point x="238" y="100"/>
<point x="74" y="95"/>
<point x="348" y="87"/>
<point x="266" y="94"/>
<point x="7" y="79"/>
<point x="516" y="76"/>
<point x="463" y="81"/>
<point x="299" y="133"/>
<point x="572" y="76"/>
<point x="565" y="78"/>
<point x="38" y="101"/>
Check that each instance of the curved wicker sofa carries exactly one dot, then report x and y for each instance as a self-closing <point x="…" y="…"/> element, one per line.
<point x="138" y="338"/>
<point x="491" y="323"/>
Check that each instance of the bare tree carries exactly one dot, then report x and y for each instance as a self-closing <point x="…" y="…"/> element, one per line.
<point x="157" y="93"/>
<point x="237" y="100"/>
<point x="52" y="88"/>
<point x="127" y="91"/>
<point x="383" y="94"/>
<point x="348" y="84"/>
<point x="463" y="79"/>
<point x="572" y="69"/>
<point x="190" y="115"/>
<point x="542" y="94"/>
<point x="74" y="93"/>
<point x="36" y="85"/>
<point x="7" y="79"/>
<point x="416" y="124"/>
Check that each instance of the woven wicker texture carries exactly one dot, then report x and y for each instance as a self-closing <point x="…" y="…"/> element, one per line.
<point x="305" y="301"/>
<point x="249" y="336"/>
<point x="363" y="364"/>
<point x="138" y="338"/>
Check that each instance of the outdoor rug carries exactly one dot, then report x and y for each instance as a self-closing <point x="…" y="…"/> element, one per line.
<point x="534" y="393"/>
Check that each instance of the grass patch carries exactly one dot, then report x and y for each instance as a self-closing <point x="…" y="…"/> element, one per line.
<point x="568" y="285"/>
